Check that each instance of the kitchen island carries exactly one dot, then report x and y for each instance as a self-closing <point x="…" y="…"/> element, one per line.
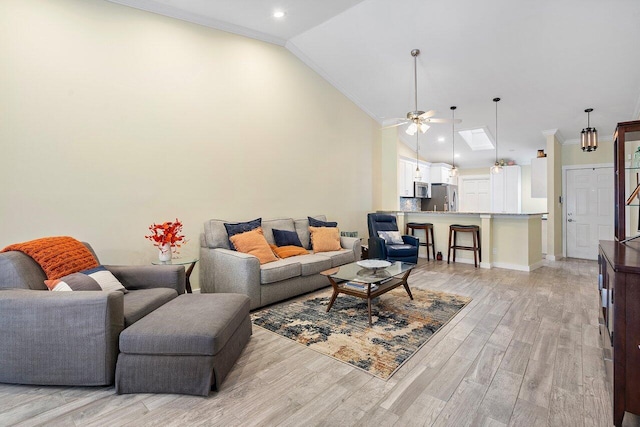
<point x="508" y="240"/>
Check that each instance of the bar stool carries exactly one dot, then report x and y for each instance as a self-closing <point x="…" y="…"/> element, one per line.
<point x="427" y="227"/>
<point x="475" y="230"/>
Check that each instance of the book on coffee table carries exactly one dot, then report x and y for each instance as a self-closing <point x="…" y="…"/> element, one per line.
<point x="359" y="286"/>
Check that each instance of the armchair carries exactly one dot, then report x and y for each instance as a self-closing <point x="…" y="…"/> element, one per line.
<point x="71" y="338"/>
<point x="380" y="249"/>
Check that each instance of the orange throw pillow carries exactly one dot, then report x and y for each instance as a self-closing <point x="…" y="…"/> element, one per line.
<point x="325" y="239"/>
<point x="288" y="251"/>
<point x="253" y="243"/>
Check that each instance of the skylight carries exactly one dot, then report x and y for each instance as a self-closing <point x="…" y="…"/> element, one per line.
<point x="477" y="139"/>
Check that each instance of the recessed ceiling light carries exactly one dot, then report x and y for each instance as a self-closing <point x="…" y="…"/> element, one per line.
<point x="278" y="14"/>
<point x="457" y="156"/>
<point x="441" y="139"/>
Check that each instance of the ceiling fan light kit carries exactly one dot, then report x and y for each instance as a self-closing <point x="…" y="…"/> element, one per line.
<point x="418" y="120"/>
<point x="589" y="135"/>
<point x="496" y="168"/>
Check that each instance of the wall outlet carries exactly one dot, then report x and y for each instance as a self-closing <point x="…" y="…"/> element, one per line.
<point x="495" y="251"/>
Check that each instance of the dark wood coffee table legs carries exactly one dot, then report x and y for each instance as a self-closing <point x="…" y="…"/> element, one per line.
<point x="369" y="295"/>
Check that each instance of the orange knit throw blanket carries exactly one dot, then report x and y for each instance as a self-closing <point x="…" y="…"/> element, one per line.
<point x="58" y="256"/>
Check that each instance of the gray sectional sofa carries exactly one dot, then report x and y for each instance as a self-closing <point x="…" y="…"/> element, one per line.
<point x="71" y="338"/>
<point x="224" y="270"/>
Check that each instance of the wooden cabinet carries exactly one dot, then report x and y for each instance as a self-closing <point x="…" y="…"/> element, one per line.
<point x="506" y="191"/>
<point x="619" y="283"/>
<point x="539" y="177"/>
<point x="619" y="279"/>
<point x="627" y="177"/>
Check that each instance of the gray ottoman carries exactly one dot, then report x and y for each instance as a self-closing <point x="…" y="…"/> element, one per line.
<point x="186" y="346"/>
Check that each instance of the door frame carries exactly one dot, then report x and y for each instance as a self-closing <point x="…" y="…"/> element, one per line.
<point x="564" y="195"/>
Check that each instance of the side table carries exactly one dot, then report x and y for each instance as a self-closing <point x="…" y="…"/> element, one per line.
<point x="181" y="261"/>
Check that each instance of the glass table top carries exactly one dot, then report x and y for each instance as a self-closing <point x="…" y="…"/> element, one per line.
<point x="354" y="272"/>
<point x="176" y="261"/>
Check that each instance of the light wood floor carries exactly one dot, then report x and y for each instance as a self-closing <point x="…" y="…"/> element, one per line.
<point x="525" y="352"/>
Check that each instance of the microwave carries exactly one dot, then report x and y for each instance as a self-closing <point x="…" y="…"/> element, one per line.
<point x="422" y="190"/>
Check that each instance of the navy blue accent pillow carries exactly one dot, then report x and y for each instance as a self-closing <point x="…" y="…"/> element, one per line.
<point x="286" y="238"/>
<point x="241" y="227"/>
<point x="317" y="223"/>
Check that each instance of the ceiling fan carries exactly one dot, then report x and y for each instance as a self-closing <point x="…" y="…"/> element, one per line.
<point x="419" y="119"/>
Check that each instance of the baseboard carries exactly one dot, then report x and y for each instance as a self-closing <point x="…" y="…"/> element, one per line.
<point x="518" y="267"/>
<point x="464" y="261"/>
<point x="554" y="257"/>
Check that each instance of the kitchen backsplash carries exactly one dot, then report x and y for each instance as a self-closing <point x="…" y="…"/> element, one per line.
<point x="411" y="204"/>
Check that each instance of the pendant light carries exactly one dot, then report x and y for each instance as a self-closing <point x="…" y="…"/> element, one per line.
<point x="418" y="176"/>
<point x="589" y="135"/>
<point x="454" y="170"/>
<point x="496" y="168"/>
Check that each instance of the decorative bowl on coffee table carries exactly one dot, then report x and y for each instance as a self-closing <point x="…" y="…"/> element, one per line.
<point x="373" y="264"/>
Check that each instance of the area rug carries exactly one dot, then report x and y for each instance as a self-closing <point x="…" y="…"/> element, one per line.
<point x="400" y="326"/>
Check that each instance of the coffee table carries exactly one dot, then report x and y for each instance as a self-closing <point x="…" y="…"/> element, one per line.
<point x="381" y="280"/>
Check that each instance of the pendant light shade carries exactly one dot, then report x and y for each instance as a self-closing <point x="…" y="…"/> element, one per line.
<point x="496" y="168"/>
<point x="589" y="135"/>
<point x="454" y="170"/>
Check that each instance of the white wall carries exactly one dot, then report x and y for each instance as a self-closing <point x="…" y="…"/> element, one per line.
<point x="114" y="118"/>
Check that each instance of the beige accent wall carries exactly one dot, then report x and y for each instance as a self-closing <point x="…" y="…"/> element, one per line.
<point x="554" y="192"/>
<point x="388" y="176"/>
<point x="114" y="118"/>
<point x="572" y="154"/>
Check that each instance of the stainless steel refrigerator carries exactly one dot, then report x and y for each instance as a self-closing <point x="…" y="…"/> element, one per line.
<point x="444" y="197"/>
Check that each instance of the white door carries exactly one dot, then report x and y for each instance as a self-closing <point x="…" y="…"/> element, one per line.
<point x="474" y="195"/>
<point x="589" y="218"/>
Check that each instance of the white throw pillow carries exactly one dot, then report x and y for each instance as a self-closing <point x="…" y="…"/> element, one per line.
<point x="391" y="237"/>
<point x="95" y="279"/>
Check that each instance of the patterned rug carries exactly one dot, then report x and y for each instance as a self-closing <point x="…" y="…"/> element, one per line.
<point x="400" y="326"/>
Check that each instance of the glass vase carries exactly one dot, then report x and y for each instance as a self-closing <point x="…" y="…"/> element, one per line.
<point x="164" y="252"/>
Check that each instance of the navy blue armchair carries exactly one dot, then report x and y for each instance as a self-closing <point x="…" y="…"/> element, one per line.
<point x="380" y="249"/>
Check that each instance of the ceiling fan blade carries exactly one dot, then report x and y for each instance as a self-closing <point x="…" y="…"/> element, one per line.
<point x="436" y="120"/>
<point x="397" y="124"/>
<point x="427" y="114"/>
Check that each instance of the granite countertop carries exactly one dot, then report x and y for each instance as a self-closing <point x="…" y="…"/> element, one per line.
<point x="464" y="213"/>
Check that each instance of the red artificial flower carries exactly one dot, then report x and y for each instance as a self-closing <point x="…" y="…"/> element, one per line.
<point x="167" y="232"/>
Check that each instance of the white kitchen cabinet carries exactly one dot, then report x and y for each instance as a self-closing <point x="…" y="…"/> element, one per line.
<point x="505" y="190"/>
<point x="539" y="177"/>
<point x="406" y="171"/>
<point x="425" y="170"/>
<point x="407" y="175"/>
<point x="440" y="174"/>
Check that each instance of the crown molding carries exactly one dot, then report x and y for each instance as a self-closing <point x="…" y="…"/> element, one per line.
<point x="554" y="132"/>
<point x="172" y="12"/>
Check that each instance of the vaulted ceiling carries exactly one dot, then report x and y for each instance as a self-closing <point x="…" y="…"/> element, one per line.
<point x="548" y="60"/>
